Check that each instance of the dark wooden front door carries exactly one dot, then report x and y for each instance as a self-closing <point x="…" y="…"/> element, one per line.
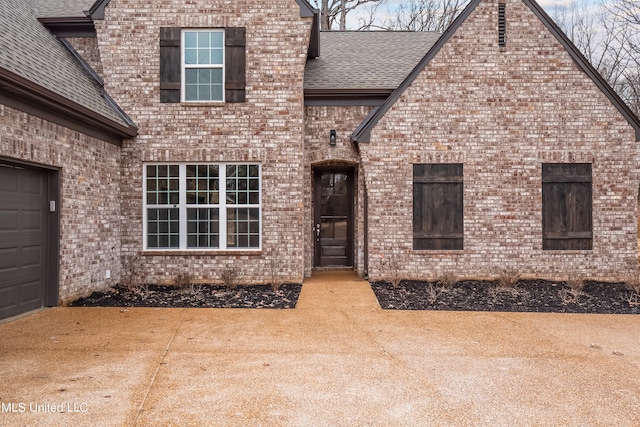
<point x="334" y="217"/>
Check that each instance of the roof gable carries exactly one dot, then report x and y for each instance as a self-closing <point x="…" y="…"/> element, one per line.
<point x="363" y="132"/>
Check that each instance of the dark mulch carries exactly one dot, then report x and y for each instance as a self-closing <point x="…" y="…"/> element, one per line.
<point x="525" y="296"/>
<point x="204" y="296"/>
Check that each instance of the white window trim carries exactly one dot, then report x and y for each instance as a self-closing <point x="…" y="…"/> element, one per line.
<point x="183" y="66"/>
<point x="182" y="206"/>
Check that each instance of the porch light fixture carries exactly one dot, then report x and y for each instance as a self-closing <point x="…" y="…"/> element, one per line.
<point x="332" y="137"/>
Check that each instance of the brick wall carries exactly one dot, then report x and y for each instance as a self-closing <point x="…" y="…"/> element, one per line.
<point x="268" y="128"/>
<point x="502" y="113"/>
<point x="87" y="47"/>
<point x="90" y="196"/>
<point x="319" y="121"/>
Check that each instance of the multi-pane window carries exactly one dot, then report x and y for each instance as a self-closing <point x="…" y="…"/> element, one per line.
<point x="438" y="206"/>
<point x="203" y="65"/>
<point x="202" y="206"/>
<point x="567" y="221"/>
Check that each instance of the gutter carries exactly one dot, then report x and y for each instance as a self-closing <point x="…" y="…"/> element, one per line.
<point x="27" y="96"/>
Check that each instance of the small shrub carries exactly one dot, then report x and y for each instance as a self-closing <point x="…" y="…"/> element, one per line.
<point x="274" y="270"/>
<point x="184" y="281"/>
<point x="633" y="299"/>
<point x="508" y="278"/>
<point x="391" y="268"/>
<point x="131" y="270"/>
<point x="433" y="293"/>
<point x="633" y="285"/>
<point x="575" y="285"/>
<point x="447" y="280"/>
<point x="229" y="276"/>
<point x="132" y="276"/>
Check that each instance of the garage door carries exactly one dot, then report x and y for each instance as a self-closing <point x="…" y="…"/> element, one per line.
<point x="23" y="239"/>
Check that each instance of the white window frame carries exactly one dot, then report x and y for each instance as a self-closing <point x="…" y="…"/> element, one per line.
<point x="182" y="206"/>
<point x="184" y="66"/>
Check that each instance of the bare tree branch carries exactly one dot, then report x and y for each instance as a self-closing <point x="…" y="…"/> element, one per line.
<point x="425" y="15"/>
<point x="334" y="12"/>
<point x="608" y="36"/>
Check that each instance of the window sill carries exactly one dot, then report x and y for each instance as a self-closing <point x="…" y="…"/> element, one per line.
<point x="437" y="251"/>
<point x="239" y="252"/>
<point x="203" y="103"/>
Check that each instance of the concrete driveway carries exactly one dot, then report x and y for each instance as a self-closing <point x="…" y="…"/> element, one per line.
<point x="335" y="360"/>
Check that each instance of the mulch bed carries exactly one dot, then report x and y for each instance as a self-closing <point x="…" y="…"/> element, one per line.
<point x="524" y="296"/>
<point x="202" y="296"/>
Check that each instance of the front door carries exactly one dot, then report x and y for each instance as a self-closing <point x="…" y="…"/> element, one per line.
<point x="334" y="217"/>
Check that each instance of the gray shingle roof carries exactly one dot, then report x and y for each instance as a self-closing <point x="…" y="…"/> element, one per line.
<point x="366" y="59"/>
<point x="32" y="52"/>
<point x="61" y="8"/>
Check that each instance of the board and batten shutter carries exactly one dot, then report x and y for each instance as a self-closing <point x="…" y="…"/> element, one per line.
<point x="438" y="207"/>
<point x="567" y="222"/>
<point x="235" y="40"/>
<point x="171" y="67"/>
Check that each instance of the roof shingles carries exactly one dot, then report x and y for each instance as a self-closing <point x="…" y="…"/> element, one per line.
<point x="62" y="8"/>
<point x="366" y="60"/>
<point x="29" y="50"/>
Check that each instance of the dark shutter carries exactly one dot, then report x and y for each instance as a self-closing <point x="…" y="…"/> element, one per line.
<point x="567" y="222"/>
<point x="438" y="207"/>
<point x="170" y="64"/>
<point x="235" y="59"/>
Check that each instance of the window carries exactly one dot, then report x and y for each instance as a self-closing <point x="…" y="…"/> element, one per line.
<point x="186" y="207"/>
<point x="567" y="206"/>
<point x="203" y="65"/>
<point x="437" y="207"/>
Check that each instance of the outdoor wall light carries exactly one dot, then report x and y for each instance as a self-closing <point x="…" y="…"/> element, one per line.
<point x="332" y="137"/>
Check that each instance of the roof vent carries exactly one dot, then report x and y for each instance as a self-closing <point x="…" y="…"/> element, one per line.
<point x="502" y="25"/>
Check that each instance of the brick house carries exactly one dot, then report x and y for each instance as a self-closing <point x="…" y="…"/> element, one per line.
<point x="203" y="136"/>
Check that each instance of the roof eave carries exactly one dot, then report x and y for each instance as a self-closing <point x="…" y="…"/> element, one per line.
<point x="32" y="98"/>
<point x="70" y="26"/>
<point x="346" y="97"/>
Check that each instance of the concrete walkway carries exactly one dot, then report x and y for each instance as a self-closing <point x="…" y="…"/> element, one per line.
<point x="335" y="360"/>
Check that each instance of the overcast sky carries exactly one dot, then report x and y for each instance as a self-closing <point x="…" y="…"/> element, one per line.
<point x="390" y="5"/>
